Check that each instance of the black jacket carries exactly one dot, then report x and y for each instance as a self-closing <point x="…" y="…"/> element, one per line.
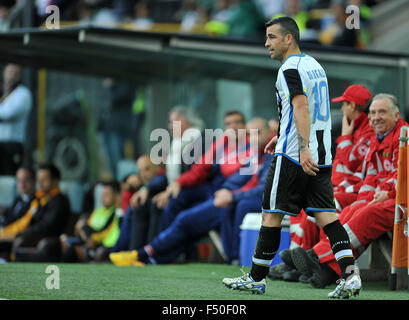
<point x="51" y="219"/>
<point x="16" y="211"/>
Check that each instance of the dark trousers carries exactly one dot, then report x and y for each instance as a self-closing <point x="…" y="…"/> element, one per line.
<point x="5" y="249"/>
<point x="188" y="197"/>
<point x="145" y="224"/>
<point x="11" y="157"/>
<point x="189" y="226"/>
<point x="138" y="227"/>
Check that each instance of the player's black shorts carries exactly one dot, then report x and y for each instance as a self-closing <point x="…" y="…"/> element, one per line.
<point x="288" y="189"/>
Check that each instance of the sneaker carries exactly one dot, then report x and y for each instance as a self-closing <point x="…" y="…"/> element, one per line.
<point x="245" y="283"/>
<point x="347" y="288"/>
<point x="276" y="272"/>
<point x="124" y="258"/>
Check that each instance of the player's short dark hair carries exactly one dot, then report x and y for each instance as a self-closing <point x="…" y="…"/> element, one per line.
<point x="235" y="112"/>
<point x="52" y="169"/>
<point x="288" y="26"/>
<point x="113" y="184"/>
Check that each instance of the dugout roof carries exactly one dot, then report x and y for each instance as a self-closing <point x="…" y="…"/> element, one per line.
<point x="119" y="52"/>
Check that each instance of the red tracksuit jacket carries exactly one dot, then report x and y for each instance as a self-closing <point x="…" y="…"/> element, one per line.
<point x="382" y="165"/>
<point x="350" y="155"/>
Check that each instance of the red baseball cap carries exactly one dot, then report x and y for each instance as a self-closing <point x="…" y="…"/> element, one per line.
<point x="355" y="93"/>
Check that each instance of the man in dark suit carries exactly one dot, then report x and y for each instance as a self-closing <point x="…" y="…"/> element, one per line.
<point x="25" y="177"/>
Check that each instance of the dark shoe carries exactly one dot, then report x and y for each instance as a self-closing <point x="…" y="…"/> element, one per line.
<point x="304" y="262"/>
<point x="276" y="272"/>
<point x="303" y="279"/>
<point x="292" y="276"/>
<point x="308" y="264"/>
<point x="285" y="255"/>
<point x="325" y="277"/>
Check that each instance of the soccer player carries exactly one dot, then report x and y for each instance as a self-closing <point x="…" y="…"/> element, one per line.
<point x="300" y="173"/>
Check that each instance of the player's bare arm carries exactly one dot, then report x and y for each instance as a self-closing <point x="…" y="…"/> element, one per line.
<point x="302" y="124"/>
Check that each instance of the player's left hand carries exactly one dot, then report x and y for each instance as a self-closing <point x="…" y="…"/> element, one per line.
<point x="222" y="198"/>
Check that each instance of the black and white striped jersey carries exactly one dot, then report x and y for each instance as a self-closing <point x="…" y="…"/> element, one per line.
<point x="302" y="74"/>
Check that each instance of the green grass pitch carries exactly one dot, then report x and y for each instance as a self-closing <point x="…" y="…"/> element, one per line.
<point x="197" y="281"/>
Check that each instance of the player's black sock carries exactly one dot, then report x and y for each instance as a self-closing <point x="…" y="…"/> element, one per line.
<point x="341" y="247"/>
<point x="267" y="245"/>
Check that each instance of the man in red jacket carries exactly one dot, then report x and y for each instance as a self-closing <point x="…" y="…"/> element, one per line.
<point x="352" y="145"/>
<point x="373" y="213"/>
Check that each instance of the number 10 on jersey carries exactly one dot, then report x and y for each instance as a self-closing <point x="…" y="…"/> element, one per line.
<point x="321" y="98"/>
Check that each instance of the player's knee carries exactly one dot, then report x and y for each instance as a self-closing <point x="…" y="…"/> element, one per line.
<point x="324" y="218"/>
<point x="271" y="219"/>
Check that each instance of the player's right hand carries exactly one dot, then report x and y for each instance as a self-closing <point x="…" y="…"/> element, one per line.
<point x="307" y="164"/>
<point x="271" y="146"/>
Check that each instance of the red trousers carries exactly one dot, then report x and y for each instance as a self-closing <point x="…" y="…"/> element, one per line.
<point x="303" y="232"/>
<point x="364" y="223"/>
<point x="344" y="199"/>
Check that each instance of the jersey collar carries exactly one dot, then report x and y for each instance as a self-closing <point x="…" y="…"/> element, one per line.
<point x="294" y="55"/>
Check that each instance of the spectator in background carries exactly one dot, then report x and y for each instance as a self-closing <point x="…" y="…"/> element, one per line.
<point x="130" y="184"/>
<point x="245" y="20"/>
<point x="10" y="14"/>
<point x="190" y="15"/>
<point x="185" y="128"/>
<point x="25" y="177"/>
<point x="116" y="120"/>
<point x="96" y="234"/>
<point x="311" y="31"/>
<point x="293" y="9"/>
<point x="219" y="16"/>
<point x="137" y="219"/>
<point x="270" y="8"/>
<point x="142" y="20"/>
<point x="336" y="33"/>
<point x="15" y="107"/>
<point x="145" y="216"/>
<point x="46" y="218"/>
<point x="352" y="145"/>
<point x="365" y="13"/>
<point x="221" y="11"/>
